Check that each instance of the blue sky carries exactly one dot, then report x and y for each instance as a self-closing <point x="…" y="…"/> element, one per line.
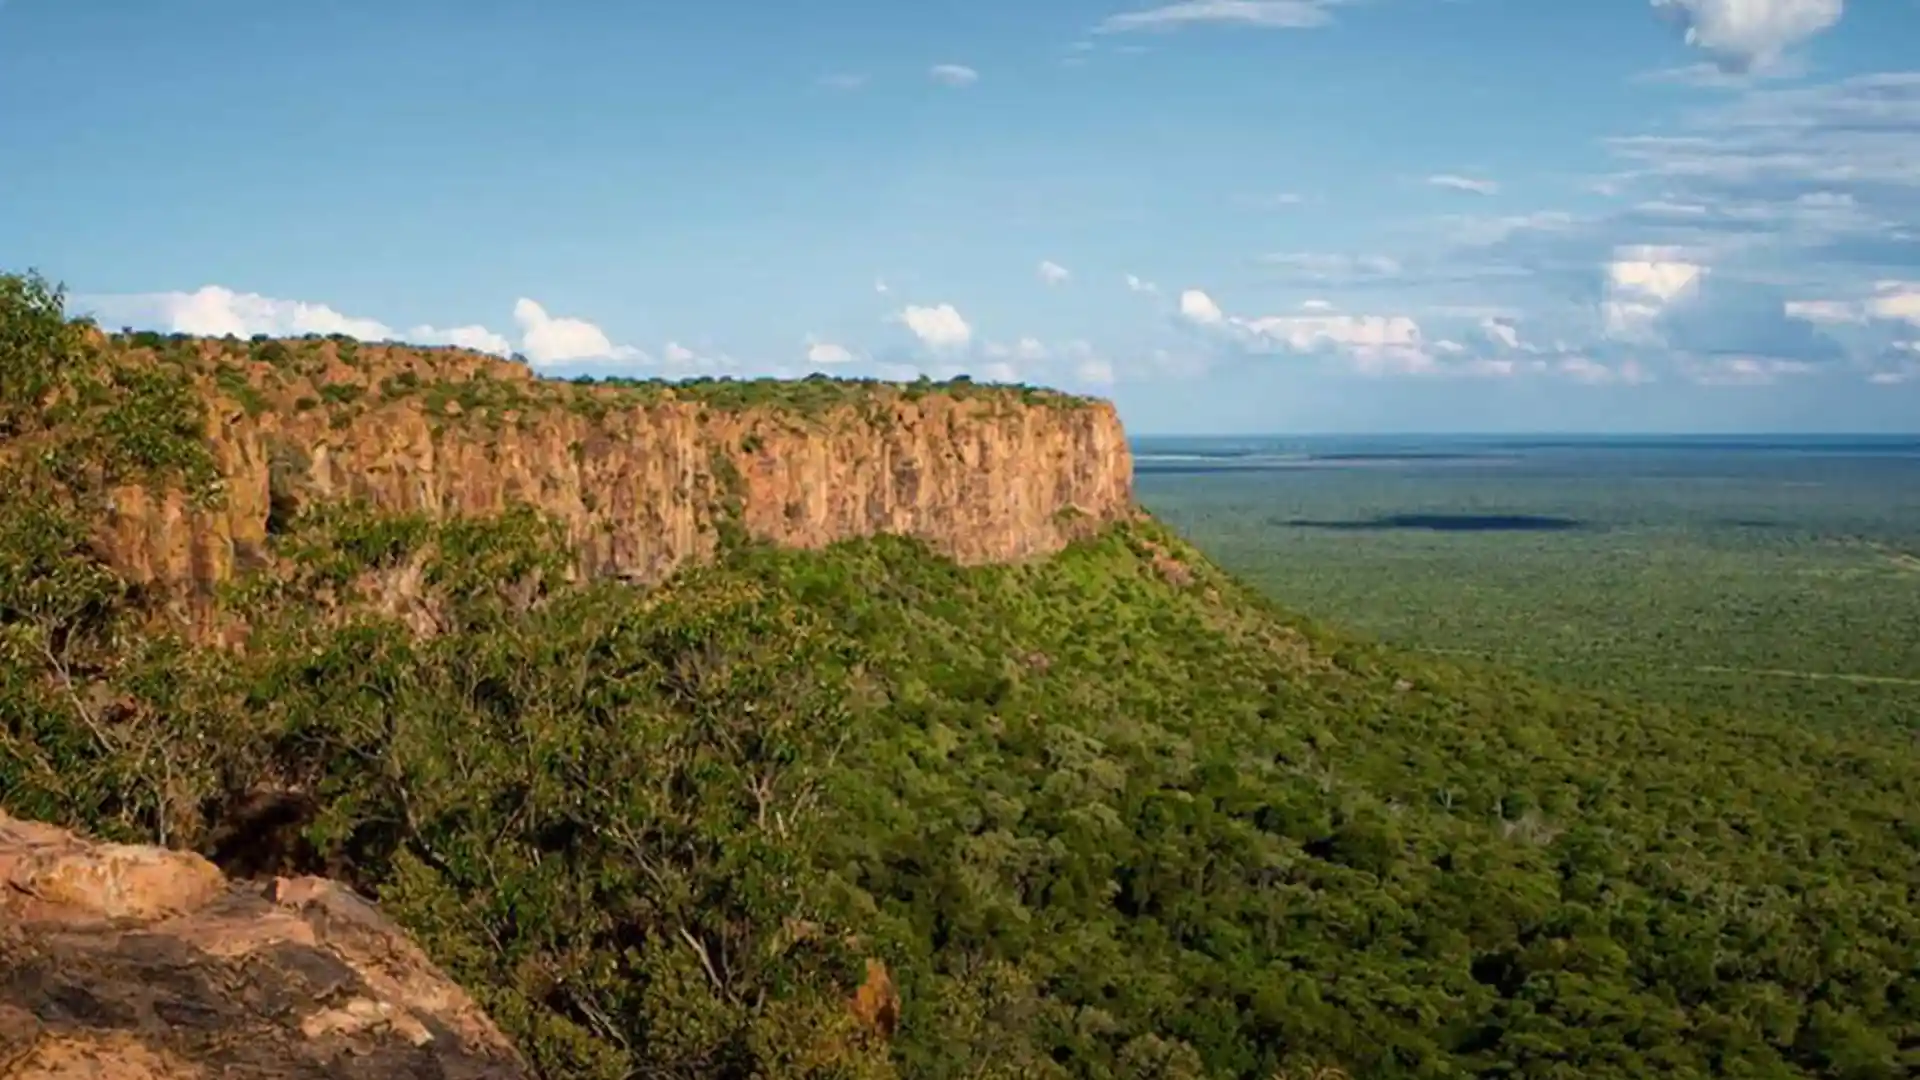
<point x="1227" y="215"/>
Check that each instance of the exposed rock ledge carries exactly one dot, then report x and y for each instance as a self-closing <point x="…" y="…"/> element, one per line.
<point x="122" y="962"/>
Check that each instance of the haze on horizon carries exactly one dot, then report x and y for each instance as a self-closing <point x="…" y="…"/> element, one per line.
<point x="1323" y="216"/>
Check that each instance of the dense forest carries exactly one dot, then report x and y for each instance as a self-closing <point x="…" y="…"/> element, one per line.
<point x="1111" y="814"/>
<point x="1779" y="581"/>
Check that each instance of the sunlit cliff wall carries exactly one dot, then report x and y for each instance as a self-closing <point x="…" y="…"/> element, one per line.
<point x="643" y="479"/>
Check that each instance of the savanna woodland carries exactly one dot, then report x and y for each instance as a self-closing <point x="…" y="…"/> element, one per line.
<point x="1107" y="814"/>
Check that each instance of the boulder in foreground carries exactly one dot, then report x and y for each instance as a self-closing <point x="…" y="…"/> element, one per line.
<point x="128" y="962"/>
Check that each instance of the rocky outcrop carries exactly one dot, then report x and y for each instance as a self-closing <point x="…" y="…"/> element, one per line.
<point x="122" y="962"/>
<point x="642" y="481"/>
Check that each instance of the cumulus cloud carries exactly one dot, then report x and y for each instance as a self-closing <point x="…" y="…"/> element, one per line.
<point x="829" y="354"/>
<point x="1374" y="344"/>
<point x="1883" y="327"/>
<point x="1469" y="184"/>
<point x="1900" y="364"/>
<point x="1749" y="35"/>
<point x="1641" y="283"/>
<point x="1724" y="316"/>
<point x="1269" y="14"/>
<point x="217" y="311"/>
<point x="1380" y="345"/>
<point x="1721" y="328"/>
<point x="549" y="339"/>
<point x="1140" y="285"/>
<point x="955" y="75"/>
<point x="477" y="338"/>
<point x="1895" y="300"/>
<point x="1197" y="307"/>
<point x="938" y="327"/>
<point x="1052" y="272"/>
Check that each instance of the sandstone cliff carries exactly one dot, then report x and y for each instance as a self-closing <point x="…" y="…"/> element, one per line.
<point x="644" y="477"/>
<point x="133" y="963"/>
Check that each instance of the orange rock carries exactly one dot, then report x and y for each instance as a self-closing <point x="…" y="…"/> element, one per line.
<point x="876" y="1004"/>
<point x="130" y="963"/>
<point x="638" y="487"/>
<point x="50" y="871"/>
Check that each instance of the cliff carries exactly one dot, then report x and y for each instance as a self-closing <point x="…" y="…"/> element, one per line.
<point x="644" y="477"/>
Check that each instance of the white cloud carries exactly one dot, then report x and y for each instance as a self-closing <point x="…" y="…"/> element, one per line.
<point x="880" y="286"/>
<point x="1275" y="199"/>
<point x="1380" y="345"/>
<point x="1750" y="35"/>
<point x="547" y="339"/>
<point x="1140" y="285"/>
<point x="477" y="338"/>
<point x="828" y="353"/>
<point x="1464" y="183"/>
<point x="1326" y="269"/>
<point x="1895" y="300"/>
<point x="1501" y="331"/>
<point x="953" y="75"/>
<point x="1741" y="370"/>
<point x="1094" y="370"/>
<point x="1270" y="14"/>
<point x="1376" y="343"/>
<point x="939" y="327"/>
<point x="1585" y="369"/>
<point x="1052" y="272"/>
<point x="1641" y="284"/>
<point x="1853" y="137"/>
<point x="1198" y="307"/>
<point x="1027" y="348"/>
<point x="217" y="311"/>
<point x="1830" y="312"/>
<point x="1902" y="365"/>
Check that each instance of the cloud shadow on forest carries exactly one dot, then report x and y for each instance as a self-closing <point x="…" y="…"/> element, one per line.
<point x="1447" y="523"/>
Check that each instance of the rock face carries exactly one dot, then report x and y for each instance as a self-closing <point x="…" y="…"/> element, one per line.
<point x="121" y="962"/>
<point x="642" y="482"/>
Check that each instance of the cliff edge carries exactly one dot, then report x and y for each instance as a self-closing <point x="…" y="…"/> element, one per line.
<point x="643" y="477"/>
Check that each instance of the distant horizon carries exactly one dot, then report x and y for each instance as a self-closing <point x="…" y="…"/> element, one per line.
<point x="1517" y="434"/>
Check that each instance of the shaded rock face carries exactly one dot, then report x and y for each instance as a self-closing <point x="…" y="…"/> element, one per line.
<point x="132" y="963"/>
<point x="640" y="486"/>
